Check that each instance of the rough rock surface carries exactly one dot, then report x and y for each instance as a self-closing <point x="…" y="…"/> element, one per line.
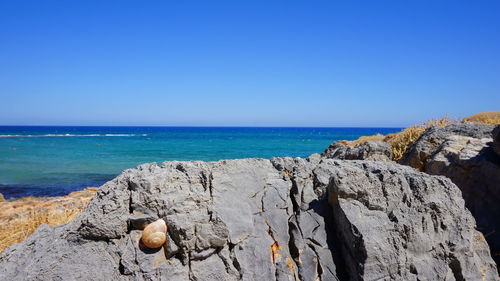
<point x="396" y="224"/>
<point x="370" y="150"/>
<point x="496" y="139"/>
<point x="257" y="219"/>
<point x="464" y="153"/>
<point x="420" y="151"/>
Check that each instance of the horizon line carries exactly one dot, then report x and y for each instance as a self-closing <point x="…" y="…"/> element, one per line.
<point x="193" y="126"/>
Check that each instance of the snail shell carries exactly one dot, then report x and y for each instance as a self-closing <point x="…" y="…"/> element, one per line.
<point x="155" y="234"/>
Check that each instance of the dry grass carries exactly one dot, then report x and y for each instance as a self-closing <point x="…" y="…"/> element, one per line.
<point x="21" y="217"/>
<point x="492" y="117"/>
<point x="363" y="139"/>
<point x="400" y="142"/>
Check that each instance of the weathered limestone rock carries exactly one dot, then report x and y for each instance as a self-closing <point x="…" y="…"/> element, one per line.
<point x="496" y="139"/>
<point x="256" y="219"/>
<point x="370" y="150"/>
<point x="397" y="224"/>
<point x="465" y="154"/>
<point x="419" y="152"/>
<point x="312" y="237"/>
<point x="227" y="220"/>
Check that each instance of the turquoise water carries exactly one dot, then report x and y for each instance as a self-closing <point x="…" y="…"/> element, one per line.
<point x="58" y="160"/>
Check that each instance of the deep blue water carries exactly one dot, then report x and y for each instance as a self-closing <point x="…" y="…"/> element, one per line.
<point x="58" y="160"/>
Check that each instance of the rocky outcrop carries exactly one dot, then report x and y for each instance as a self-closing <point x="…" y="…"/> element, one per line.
<point x="369" y="150"/>
<point x="420" y="151"/>
<point x="256" y="219"/>
<point x="465" y="154"/>
<point x="496" y="139"/>
<point x="396" y="224"/>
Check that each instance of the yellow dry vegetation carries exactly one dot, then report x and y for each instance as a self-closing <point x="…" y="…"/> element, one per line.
<point x="401" y="141"/>
<point x="19" y="218"/>
<point x="363" y="139"/>
<point x="492" y="118"/>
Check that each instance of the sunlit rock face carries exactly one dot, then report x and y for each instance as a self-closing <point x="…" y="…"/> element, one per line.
<point x="258" y="219"/>
<point x="465" y="153"/>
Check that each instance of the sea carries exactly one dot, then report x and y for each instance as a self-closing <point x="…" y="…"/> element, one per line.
<point x="51" y="161"/>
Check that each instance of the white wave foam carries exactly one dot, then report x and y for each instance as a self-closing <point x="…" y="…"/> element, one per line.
<point x="72" y="135"/>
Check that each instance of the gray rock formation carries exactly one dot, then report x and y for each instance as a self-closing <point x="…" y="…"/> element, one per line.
<point x="419" y="152"/>
<point x="496" y="139"/>
<point x="396" y="224"/>
<point x="256" y="219"/>
<point x="464" y="153"/>
<point x="370" y="150"/>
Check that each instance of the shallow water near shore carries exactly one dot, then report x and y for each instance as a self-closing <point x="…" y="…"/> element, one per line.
<point x="57" y="160"/>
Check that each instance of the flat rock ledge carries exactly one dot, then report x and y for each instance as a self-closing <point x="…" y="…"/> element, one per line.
<point x="255" y="219"/>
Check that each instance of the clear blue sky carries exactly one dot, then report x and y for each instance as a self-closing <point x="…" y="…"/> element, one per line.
<point x="247" y="63"/>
